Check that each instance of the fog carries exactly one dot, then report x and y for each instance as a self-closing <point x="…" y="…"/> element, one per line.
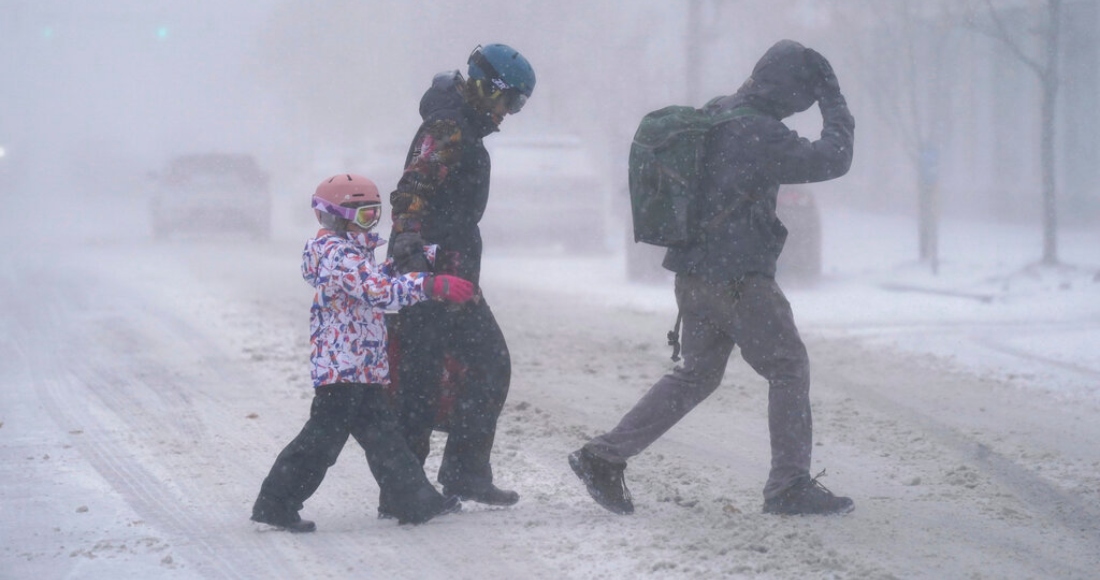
<point x="97" y="95"/>
<point x="147" y="384"/>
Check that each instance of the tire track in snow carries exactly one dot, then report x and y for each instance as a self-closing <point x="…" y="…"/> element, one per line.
<point x="1076" y="515"/>
<point x="141" y="490"/>
<point x="998" y="346"/>
<point x="64" y="373"/>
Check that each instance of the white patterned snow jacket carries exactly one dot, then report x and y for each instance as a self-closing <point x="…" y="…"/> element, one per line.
<point x="347" y="320"/>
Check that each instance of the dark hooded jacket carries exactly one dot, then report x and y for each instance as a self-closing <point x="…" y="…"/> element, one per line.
<point x="748" y="158"/>
<point x="443" y="196"/>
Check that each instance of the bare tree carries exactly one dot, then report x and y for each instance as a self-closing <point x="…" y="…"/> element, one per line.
<point x="1045" y="34"/>
<point x="905" y="63"/>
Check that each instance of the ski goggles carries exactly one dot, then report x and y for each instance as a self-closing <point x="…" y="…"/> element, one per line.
<point x="364" y="216"/>
<point x="513" y="98"/>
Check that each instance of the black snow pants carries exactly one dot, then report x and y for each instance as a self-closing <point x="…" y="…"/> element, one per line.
<point x="425" y="333"/>
<point x="365" y="413"/>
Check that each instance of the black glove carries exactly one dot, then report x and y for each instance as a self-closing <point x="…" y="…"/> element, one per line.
<point x="827" y="85"/>
<point x="408" y="253"/>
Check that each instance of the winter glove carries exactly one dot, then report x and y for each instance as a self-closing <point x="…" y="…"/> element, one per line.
<point x="408" y="253"/>
<point x="449" y="288"/>
<point x="827" y="85"/>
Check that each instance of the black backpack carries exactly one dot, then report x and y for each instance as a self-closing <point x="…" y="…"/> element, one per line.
<point x="666" y="164"/>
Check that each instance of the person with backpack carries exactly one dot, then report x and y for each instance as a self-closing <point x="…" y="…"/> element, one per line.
<point x="349" y="366"/>
<point x="439" y="200"/>
<point x="725" y="263"/>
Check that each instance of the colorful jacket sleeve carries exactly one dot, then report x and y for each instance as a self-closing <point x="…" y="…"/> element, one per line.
<point x="343" y="270"/>
<point x="435" y="152"/>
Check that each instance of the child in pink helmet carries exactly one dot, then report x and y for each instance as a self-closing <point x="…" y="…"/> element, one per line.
<point x="348" y="363"/>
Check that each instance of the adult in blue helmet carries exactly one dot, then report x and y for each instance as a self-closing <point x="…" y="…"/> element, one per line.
<point x="436" y="208"/>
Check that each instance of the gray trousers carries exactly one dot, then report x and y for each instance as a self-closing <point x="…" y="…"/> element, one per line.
<point x="755" y="315"/>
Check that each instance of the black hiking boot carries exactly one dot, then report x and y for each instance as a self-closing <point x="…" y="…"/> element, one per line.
<point x="419" y="508"/>
<point x="443" y="506"/>
<point x="604" y="481"/>
<point x="292" y="523"/>
<point x="488" y="494"/>
<point x="808" y="497"/>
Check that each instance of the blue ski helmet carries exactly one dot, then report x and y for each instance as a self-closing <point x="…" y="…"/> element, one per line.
<point x="506" y="69"/>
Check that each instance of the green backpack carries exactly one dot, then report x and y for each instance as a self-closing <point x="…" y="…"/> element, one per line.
<point x="666" y="165"/>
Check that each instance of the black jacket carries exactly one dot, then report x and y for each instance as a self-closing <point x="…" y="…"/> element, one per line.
<point x="748" y="158"/>
<point x="445" y="187"/>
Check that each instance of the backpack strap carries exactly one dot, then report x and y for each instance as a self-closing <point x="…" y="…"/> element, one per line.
<point x="741" y="111"/>
<point x="674" y="336"/>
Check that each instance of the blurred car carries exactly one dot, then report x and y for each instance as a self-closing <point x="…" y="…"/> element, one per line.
<point x="545" y="191"/>
<point x="211" y="192"/>
<point x="800" y="262"/>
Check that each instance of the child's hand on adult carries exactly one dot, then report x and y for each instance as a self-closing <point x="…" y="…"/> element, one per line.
<point x="449" y="288"/>
<point x="408" y="253"/>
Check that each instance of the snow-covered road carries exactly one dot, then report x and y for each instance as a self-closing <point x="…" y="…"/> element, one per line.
<point x="147" y="388"/>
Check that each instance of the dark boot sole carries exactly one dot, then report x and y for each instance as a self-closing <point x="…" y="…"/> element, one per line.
<point x="780" y="512"/>
<point x="301" y="527"/>
<point x="511" y="500"/>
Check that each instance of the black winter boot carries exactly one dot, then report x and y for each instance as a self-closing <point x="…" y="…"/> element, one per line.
<point x="604" y="481"/>
<point x="419" y="508"/>
<point x="447" y="505"/>
<point x="289" y="521"/>
<point x="808" y="497"/>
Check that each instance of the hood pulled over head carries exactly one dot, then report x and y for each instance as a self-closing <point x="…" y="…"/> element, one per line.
<point x="446" y="93"/>
<point x="783" y="81"/>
